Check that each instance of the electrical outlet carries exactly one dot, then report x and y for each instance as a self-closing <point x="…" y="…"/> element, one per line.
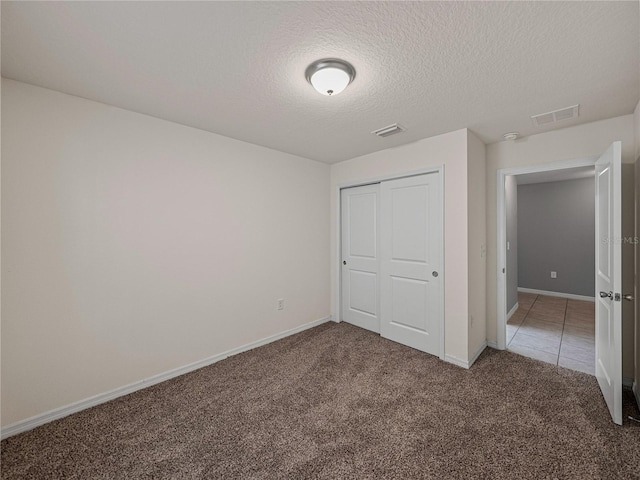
<point x="554" y="274"/>
<point x="281" y="304"/>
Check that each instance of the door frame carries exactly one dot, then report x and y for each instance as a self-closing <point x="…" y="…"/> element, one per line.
<point x="337" y="313"/>
<point x="501" y="245"/>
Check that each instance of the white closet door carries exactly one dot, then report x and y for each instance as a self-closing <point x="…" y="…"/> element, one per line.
<point x="360" y="287"/>
<point x="411" y="261"/>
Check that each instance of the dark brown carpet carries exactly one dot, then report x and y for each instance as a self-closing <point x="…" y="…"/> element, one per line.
<point x="340" y="402"/>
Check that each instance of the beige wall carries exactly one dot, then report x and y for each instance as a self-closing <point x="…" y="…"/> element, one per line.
<point x="636" y="125"/>
<point x="477" y="225"/>
<point x="577" y="142"/>
<point x="511" y="227"/>
<point x="132" y="246"/>
<point x="636" y="119"/>
<point x="449" y="150"/>
<point x="628" y="270"/>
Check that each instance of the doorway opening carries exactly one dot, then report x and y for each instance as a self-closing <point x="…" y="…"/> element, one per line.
<point x="542" y="311"/>
<point x="550" y="266"/>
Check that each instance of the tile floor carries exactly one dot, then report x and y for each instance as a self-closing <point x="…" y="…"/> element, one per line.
<point x="554" y="330"/>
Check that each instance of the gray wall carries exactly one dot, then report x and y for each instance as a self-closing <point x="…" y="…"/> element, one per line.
<point x="511" y="207"/>
<point x="556" y="231"/>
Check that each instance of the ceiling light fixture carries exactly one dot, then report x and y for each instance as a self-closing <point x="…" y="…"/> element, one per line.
<point x="330" y="76"/>
<point x="511" y="135"/>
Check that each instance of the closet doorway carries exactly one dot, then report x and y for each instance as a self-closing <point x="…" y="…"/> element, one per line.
<point x="392" y="257"/>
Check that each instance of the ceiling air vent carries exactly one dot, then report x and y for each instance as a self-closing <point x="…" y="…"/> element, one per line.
<point x="390" y="130"/>
<point x="555" y="116"/>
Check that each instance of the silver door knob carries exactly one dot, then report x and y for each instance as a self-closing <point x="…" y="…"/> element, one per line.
<point x="605" y="295"/>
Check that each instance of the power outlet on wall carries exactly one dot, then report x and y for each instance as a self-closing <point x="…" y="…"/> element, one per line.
<point x="280" y="304"/>
<point x="554" y="274"/>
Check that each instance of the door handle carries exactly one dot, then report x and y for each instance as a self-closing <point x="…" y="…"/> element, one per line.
<point x="628" y="297"/>
<point x="605" y="295"/>
<point x="344" y="262"/>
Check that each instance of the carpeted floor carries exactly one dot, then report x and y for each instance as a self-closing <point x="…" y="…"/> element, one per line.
<point x="340" y="402"/>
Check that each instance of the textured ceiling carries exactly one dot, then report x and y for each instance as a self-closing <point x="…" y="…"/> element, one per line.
<point x="237" y="68"/>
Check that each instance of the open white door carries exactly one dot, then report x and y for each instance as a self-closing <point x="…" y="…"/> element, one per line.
<point x="609" y="279"/>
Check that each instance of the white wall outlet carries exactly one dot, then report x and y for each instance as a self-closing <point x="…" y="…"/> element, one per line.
<point x="554" y="274"/>
<point x="281" y="304"/>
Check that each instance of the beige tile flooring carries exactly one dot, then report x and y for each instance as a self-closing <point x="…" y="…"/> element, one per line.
<point x="554" y="330"/>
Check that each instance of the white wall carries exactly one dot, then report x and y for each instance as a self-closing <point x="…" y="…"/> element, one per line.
<point x="132" y="246"/>
<point x="577" y="142"/>
<point x="477" y="225"/>
<point x="511" y="221"/>
<point x="449" y="150"/>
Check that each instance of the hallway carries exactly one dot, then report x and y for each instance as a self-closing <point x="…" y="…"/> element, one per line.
<point x="554" y="330"/>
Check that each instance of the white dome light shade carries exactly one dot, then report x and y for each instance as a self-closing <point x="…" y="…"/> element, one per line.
<point x="330" y="77"/>
<point x="330" y="81"/>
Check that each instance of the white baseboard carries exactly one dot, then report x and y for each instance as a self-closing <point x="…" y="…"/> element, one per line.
<point x="492" y="344"/>
<point x="55" y="414"/>
<point x="627" y="382"/>
<point x="464" y="363"/>
<point x="512" y="311"/>
<point x="456" y="361"/>
<point x="570" y="296"/>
